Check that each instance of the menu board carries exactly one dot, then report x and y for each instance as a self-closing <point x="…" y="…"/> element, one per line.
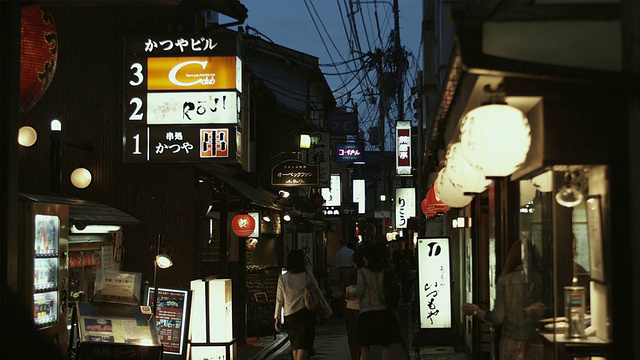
<point x="171" y="318"/>
<point x="261" y="290"/>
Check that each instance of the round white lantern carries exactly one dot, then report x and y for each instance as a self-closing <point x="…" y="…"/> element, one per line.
<point x="527" y="192"/>
<point x="544" y="181"/>
<point x="27" y="136"/>
<point x="464" y="176"/>
<point x="449" y="194"/>
<point x="81" y="178"/>
<point x="495" y="138"/>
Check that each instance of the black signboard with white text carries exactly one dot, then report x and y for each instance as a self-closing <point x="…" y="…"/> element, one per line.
<point x="182" y="98"/>
<point x="294" y="173"/>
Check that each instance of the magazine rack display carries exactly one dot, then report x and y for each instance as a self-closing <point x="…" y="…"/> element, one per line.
<point x="113" y="325"/>
<point x="113" y="331"/>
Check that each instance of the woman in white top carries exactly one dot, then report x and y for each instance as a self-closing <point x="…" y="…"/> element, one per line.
<point x="301" y="322"/>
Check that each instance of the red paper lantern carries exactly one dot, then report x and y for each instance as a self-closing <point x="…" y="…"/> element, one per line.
<point x="243" y="225"/>
<point x="38" y="54"/>
<point x="431" y="205"/>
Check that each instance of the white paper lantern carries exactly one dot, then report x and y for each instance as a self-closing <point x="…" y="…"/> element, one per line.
<point x="544" y="181"/>
<point x="527" y="192"/>
<point x="464" y="176"/>
<point x="81" y="178"/>
<point x="495" y="138"/>
<point x="449" y="194"/>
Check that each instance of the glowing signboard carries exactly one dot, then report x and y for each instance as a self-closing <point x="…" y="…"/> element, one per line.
<point x="405" y="206"/>
<point x="182" y="99"/>
<point x="434" y="283"/>
<point x="349" y="152"/>
<point x="403" y="147"/>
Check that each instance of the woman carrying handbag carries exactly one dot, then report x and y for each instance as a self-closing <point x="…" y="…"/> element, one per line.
<point x="290" y="302"/>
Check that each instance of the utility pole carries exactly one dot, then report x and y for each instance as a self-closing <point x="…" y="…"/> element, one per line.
<point x="399" y="59"/>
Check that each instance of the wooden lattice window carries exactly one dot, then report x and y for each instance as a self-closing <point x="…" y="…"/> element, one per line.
<point x="211" y="251"/>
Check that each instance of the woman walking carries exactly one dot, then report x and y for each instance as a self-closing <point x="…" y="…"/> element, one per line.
<point x="377" y="325"/>
<point x="301" y="322"/>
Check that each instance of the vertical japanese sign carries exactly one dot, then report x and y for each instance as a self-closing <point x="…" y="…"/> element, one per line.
<point x="359" y="195"/>
<point x="305" y="243"/>
<point x="434" y="283"/>
<point x="182" y="97"/>
<point x="320" y="156"/>
<point x="332" y="195"/>
<point x="403" y="147"/>
<point x="405" y="206"/>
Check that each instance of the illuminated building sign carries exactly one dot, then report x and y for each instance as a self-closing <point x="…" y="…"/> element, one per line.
<point x="182" y="98"/>
<point x="403" y="147"/>
<point x="332" y="195"/>
<point x="359" y="195"/>
<point x="294" y="173"/>
<point x="349" y="152"/>
<point x="405" y="206"/>
<point x="434" y="283"/>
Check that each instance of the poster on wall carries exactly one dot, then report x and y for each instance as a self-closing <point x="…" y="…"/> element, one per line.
<point x="434" y="283"/>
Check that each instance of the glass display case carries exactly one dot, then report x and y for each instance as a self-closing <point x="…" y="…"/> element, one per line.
<point x="113" y="331"/>
<point x="563" y="229"/>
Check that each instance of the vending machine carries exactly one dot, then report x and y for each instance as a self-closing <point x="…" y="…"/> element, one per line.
<point x="43" y="266"/>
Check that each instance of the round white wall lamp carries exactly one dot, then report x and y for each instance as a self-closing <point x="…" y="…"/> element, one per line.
<point x="81" y="178"/>
<point x="27" y="136"/>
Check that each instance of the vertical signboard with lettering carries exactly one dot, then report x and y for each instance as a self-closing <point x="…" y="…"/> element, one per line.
<point x="403" y="147"/>
<point x="332" y="195"/>
<point x="182" y="99"/>
<point x="171" y="318"/>
<point x="359" y="197"/>
<point x="405" y="206"/>
<point x="434" y="283"/>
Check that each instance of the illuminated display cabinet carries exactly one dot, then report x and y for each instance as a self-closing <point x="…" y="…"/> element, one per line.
<point x="113" y="331"/>
<point x="211" y="323"/>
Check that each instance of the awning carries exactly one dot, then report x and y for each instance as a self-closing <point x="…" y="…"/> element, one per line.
<point x="257" y="196"/>
<point x="84" y="211"/>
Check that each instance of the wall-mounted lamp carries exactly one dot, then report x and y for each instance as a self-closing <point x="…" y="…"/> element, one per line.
<point x="308" y="140"/>
<point x="81" y="178"/>
<point x="283" y="194"/>
<point x="252" y="243"/>
<point x="286" y="217"/>
<point x="162" y="261"/>
<point x="461" y="222"/>
<point x="27" y="136"/>
<point x="570" y="193"/>
<point x="266" y="218"/>
<point x="383" y="197"/>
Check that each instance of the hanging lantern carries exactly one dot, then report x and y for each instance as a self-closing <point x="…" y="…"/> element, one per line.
<point x="38" y="54"/>
<point x="527" y="192"/>
<point x="243" y="225"/>
<point x="544" y="181"/>
<point x="495" y="138"/>
<point x="431" y="205"/>
<point x="449" y="194"/>
<point x="464" y="176"/>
